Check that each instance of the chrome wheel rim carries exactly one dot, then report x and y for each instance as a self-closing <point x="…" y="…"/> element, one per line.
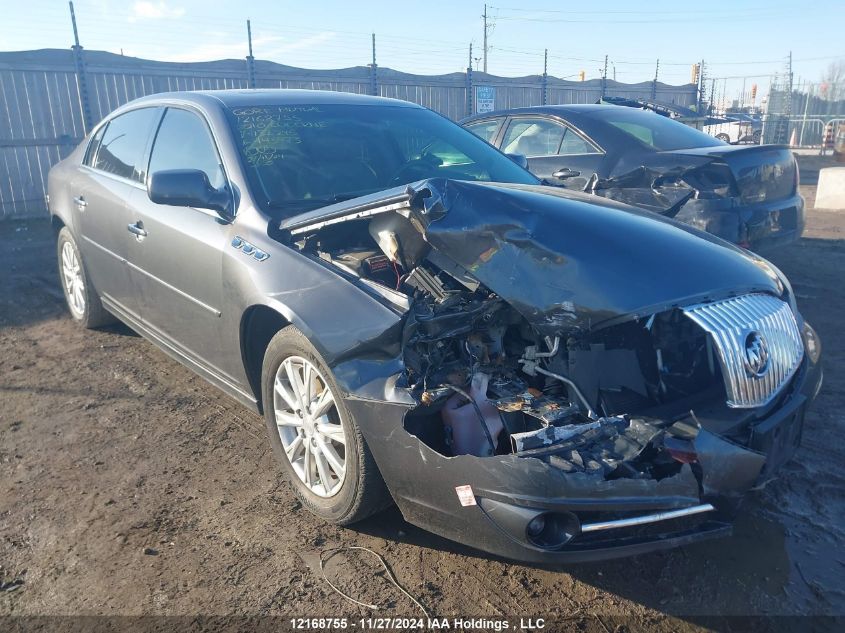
<point x="309" y="426"/>
<point x="72" y="277"/>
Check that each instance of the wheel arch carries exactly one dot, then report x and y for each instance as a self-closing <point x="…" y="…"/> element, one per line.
<point x="259" y="324"/>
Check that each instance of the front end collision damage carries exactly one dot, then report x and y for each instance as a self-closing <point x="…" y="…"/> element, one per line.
<point x="606" y="443"/>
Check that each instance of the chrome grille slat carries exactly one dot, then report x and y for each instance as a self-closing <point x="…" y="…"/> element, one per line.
<point x="729" y="322"/>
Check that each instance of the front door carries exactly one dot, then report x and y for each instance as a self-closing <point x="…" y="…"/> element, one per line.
<point x="176" y="254"/>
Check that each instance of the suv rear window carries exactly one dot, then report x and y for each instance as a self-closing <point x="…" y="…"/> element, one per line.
<point x="121" y="151"/>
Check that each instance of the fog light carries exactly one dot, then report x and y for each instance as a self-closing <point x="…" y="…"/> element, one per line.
<point x="552" y="530"/>
<point x="812" y="343"/>
<point x="536" y="526"/>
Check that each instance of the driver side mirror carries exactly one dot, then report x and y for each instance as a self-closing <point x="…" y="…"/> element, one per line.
<point x="519" y="159"/>
<point x="189" y="188"/>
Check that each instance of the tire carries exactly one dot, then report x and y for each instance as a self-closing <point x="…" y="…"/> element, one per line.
<point x="360" y="491"/>
<point x="81" y="297"/>
<point x="756" y="136"/>
<point x="724" y="137"/>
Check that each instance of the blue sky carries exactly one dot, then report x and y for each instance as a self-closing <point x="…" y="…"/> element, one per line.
<point x="737" y="39"/>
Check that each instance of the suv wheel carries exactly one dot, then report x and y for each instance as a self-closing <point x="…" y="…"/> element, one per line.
<point x="81" y="297"/>
<point x="318" y="443"/>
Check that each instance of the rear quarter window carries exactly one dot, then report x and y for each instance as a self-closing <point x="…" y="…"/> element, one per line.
<point x="485" y="129"/>
<point x="93" y="145"/>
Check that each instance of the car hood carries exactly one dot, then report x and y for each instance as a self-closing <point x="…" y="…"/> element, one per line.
<point x="565" y="261"/>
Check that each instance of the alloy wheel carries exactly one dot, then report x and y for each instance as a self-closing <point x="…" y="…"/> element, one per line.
<point x="309" y="426"/>
<point x="73" y="280"/>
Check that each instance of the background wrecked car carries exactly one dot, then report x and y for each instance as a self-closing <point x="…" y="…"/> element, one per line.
<point x="746" y="195"/>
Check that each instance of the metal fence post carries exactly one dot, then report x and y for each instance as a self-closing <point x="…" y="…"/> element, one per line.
<point x="546" y="77"/>
<point x="81" y="78"/>
<point x="374" y="71"/>
<point x="469" y="83"/>
<point x="250" y="60"/>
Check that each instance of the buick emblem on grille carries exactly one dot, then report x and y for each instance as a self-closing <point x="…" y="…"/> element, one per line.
<point x="756" y="355"/>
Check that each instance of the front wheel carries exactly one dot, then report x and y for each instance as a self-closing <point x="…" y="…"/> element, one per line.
<point x="318" y="443"/>
<point x="81" y="297"/>
<point x="724" y="137"/>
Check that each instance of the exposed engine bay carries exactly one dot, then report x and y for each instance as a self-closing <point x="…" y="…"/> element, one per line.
<point x="488" y="383"/>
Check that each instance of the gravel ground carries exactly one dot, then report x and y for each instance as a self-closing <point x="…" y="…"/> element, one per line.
<point x="129" y="486"/>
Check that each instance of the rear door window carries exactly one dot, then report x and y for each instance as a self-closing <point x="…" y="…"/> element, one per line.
<point x="184" y="141"/>
<point x="533" y="137"/>
<point x="121" y="152"/>
<point x="574" y="144"/>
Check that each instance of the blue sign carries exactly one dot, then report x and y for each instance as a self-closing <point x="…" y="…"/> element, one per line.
<point x="485" y="99"/>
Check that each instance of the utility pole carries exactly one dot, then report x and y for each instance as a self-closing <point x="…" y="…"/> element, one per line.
<point x="250" y="60"/>
<point x="81" y="78"/>
<point x="604" y="79"/>
<point x="654" y="83"/>
<point x="374" y="71"/>
<point x="485" y="37"/>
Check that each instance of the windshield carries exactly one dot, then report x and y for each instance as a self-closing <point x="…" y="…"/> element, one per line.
<point x="300" y="157"/>
<point x="656" y="131"/>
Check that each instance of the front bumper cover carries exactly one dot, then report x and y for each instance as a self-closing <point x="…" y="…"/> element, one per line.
<point x="508" y="492"/>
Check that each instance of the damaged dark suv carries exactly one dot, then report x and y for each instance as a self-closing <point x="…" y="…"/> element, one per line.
<point x="540" y="374"/>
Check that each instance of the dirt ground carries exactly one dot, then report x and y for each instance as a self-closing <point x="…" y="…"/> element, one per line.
<point x="129" y="486"/>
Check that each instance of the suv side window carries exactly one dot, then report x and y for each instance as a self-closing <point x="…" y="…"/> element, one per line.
<point x="485" y="129"/>
<point x="531" y="136"/>
<point x="121" y="152"/>
<point x="184" y="141"/>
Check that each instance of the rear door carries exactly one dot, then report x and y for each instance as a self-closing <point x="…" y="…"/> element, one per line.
<point x="552" y="146"/>
<point x="112" y="171"/>
<point x="177" y="257"/>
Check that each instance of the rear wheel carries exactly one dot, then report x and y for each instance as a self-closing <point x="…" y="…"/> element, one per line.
<point x="724" y="137"/>
<point x="81" y="297"/>
<point x="318" y="443"/>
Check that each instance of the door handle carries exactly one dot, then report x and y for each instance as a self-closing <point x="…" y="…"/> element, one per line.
<point x="137" y="230"/>
<point x="80" y="203"/>
<point x="566" y="173"/>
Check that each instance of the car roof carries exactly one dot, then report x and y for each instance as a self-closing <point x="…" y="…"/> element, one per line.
<point x="560" y="110"/>
<point x="242" y="98"/>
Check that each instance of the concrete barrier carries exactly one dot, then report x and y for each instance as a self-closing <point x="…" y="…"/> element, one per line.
<point x="830" y="193"/>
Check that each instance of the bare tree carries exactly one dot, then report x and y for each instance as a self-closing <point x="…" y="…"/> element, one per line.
<point x="834" y="77"/>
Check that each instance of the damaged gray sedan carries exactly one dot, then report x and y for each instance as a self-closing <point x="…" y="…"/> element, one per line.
<point x="538" y="374"/>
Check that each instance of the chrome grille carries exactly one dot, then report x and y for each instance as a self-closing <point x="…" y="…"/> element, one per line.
<point x="759" y="345"/>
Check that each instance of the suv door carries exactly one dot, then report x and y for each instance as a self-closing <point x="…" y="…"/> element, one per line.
<point x="111" y="171"/>
<point x="552" y="146"/>
<point x="176" y="257"/>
